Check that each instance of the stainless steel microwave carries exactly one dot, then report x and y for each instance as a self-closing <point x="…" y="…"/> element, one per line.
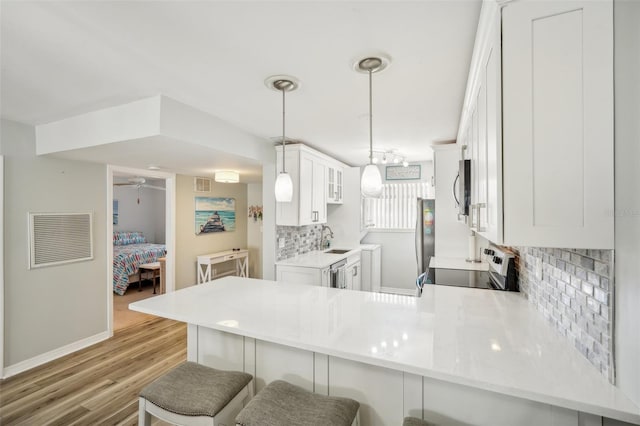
<point x="464" y="187"/>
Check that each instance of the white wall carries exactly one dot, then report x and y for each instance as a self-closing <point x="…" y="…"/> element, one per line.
<point x="269" y="218"/>
<point x="147" y="217"/>
<point x="627" y="196"/>
<point x="398" y="258"/>
<point x="254" y="231"/>
<point x="49" y="308"/>
<point x="451" y="239"/>
<point x="344" y="219"/>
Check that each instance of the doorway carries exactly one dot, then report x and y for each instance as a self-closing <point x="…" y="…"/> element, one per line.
<point x="150" y="194"/>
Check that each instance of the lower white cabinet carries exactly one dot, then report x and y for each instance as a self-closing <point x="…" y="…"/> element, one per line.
<point x="370" y="271"/>
<point x="354" y="276"/>
<point x="302" y="275"/>
<point x="385" y="395"/>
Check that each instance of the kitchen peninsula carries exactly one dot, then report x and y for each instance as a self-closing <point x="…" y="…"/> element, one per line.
<point x="454" y="356"/>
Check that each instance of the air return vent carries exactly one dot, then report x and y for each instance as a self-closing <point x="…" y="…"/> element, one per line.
<point x="58" y="238"/>
<point x="201" y="184"/>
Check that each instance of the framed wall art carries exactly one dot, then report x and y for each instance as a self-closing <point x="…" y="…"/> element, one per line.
<point x="403" y="173"/>
<point x="215" y="215"/>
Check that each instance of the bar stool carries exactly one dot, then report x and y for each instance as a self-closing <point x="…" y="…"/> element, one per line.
<point x="281" y="403"/>
<point x="413" y="421"/>
<point x="192" y="394"/>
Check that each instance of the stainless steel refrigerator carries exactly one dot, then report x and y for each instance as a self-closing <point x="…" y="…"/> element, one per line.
<point x="425" y="237"/>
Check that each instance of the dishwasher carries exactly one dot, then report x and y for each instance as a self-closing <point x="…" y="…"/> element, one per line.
<point x="337" y="274"/>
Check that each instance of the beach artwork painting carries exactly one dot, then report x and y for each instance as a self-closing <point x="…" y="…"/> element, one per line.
<point x="215" y="215"/>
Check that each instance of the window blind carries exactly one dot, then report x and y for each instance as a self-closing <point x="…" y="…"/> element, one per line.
<point x="397" y="207"/>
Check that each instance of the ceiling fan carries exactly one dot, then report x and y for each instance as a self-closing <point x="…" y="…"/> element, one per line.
<point x="138" y="182"/>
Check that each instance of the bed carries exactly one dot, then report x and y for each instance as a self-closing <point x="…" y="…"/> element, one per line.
<point x="131" y="249"/>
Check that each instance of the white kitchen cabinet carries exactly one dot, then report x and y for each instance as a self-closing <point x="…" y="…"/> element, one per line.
<point x="302" y="275"/>
<point x="481" y="131"/>
<point x="538" y="124"/>
<point x="335" y="184"/>
<point x="558" y="123"/>
<point x="309" y="175"/>
<point x="370" y="270"/>
<point x="353" y="272"/>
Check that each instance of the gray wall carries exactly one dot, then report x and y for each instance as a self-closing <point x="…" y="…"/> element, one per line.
<point x="147" y="217"/>
<point x="48" y="308"/>
<point x="627" y="196"/>
<point x="398" y="258"/>
<point x="188" y="244"/>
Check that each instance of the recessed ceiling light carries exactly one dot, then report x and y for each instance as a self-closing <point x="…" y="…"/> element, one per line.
<point x="153" y="167"/>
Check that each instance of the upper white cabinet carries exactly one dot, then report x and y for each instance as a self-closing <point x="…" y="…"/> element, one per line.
<point x="334" y="184"/>
<point x="308" y="173"/>
<point x="558" y="123"/>
<point x="538" y="124"/>
<point x="481" y="131"/>
<point x="317" y="180"/>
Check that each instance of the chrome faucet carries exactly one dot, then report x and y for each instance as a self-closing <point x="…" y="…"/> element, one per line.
<point x="324" y="242"/>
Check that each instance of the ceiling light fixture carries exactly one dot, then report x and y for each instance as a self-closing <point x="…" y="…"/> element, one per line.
<point x="371" y="184"/>
<point x="227" y="176"/>
<point x="387" y="156"/>
<point x="284" y="184"/>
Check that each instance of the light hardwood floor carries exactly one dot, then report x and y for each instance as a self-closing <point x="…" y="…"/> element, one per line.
<point x="98" y="385"/>
<point x="123" y="317"/>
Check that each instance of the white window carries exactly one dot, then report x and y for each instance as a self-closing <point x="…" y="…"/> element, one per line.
<point x="397" y="207"/>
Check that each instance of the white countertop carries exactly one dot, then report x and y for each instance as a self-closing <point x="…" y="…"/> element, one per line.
<point x="317" y="259"/>
<point x="491" y="340"/>
<point x="457" y="263"/>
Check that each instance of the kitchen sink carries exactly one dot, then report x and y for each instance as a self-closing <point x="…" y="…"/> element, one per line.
<point x="337" y="251"/>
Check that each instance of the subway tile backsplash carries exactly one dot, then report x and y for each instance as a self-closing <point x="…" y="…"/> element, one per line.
<point x="298" y="240"/>
<point x="574" y="292"/>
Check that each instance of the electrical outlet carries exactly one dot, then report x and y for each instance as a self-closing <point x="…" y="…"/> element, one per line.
<point x="539" y="268"/>
<point x="280" y="242"/>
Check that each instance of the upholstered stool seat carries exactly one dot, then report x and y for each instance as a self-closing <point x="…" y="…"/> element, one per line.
<point x="281" y="403"/>
<point x="413" y="421"/>
<point x="192" y="394"/>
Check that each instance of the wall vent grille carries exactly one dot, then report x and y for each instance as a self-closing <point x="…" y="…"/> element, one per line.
<point x="58" y="238"/>
<point x="201" y="184"/>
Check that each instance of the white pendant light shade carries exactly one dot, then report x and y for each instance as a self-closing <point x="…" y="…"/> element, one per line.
<point x="284" y="185"/>
<point x="227" y="177"/>
<point x="284" y="188"/>
<point x="371" y="184"/>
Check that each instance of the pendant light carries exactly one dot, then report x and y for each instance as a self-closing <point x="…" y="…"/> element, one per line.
<point x="284" y="184"/>
<point x="371" y="184"/>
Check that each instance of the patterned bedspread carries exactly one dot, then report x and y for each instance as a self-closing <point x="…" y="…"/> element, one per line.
<point x="127" y="258"/>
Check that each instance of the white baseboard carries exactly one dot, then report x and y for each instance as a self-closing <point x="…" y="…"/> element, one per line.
<point x="402" y="291"/>
<point x="30" y="363"/>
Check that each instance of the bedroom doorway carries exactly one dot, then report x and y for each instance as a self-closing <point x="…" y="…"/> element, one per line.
<point x="140" y="229"/>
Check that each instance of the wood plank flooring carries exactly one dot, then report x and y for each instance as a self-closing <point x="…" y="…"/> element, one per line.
<point x="98" y="385"/>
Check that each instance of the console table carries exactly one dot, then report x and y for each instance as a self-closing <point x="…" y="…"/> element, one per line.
<point x="206" y="272"/>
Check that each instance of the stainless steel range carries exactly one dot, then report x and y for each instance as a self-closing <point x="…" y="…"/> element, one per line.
<point x="501" y="273"/>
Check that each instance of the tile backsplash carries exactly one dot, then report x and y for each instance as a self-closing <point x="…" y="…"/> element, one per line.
<point x="573" y="289"/>
<point x="298" y="240"/>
